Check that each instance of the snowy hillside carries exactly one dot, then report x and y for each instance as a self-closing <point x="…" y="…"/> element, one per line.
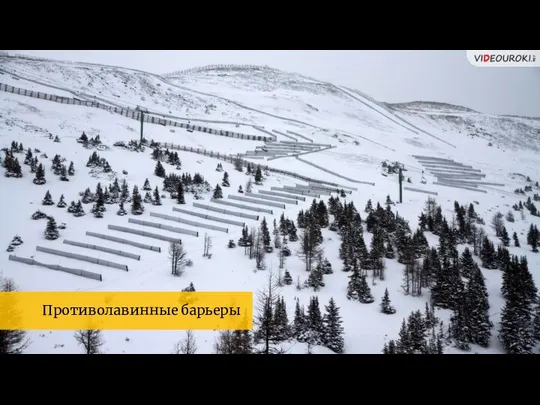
<point x="348" y="145"/>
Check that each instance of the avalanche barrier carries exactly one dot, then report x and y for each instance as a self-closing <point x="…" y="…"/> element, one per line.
<point x="225" y="212"/>
<point x="210" y="217"/>
<point x="295" y="191"/>
<point x="285" y="135"/>
<point x="75" y="272"/>
<point x="124" y="241"/>
<point x="461" y="187"/>
<point x="307" y="144"/>
<point x="275" y="193"/>
<point x="321" y="191"/>
<point x="188" y="222"/>
<point x="83" y="258"/>
<point x="301" y="136"/>
<point x="315" y="186"/>
<point x="333" y="173"/>
<point x="270" y="198"/>
<point x="420" y="157"/>
<point x="143" y="233"/>
<point x="256" y="201"/>
<point x="103" y="249"/>
<point x="242" y="206"/>
<point x="164" y="227"/>
<point x="417" y="190"/>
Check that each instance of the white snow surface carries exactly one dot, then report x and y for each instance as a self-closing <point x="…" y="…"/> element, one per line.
<point x="363" y="137"/>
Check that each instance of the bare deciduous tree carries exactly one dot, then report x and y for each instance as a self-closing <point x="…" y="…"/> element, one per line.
<point x="178" y="258"/>
<point x="207" y="246"/>
<point x="266" y="301"/>
<point x="91" y="340"/>
<point x="188" y="345"/>
<point x="11" y="341"/>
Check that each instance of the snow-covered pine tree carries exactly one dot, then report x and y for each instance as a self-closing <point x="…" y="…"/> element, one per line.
<point x="40" y="175"/>
<point x="47" y="200"/>
<point x="61" y="203"/>
<point x="218" y="192"/>
<point x="386" y="306"/>
<point x="146" y="186"/>
<point x="333" y="328"/>
<point x="225" y="182"/>
<point x="51" y="230"/>
<point x="137" y="207"/>
<point x="157" y="198"/>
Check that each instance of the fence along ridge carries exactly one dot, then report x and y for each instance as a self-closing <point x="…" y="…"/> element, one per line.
<point x="231" y="158"/>
<point x="57" y="267"/>
<point x="151" y="118"/>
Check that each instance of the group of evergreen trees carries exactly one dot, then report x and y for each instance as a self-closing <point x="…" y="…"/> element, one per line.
<point x="185" y="183"/>
<point x="58" y="167"/>
<point x="95" y="161"/>
<point x="167" y="156"/>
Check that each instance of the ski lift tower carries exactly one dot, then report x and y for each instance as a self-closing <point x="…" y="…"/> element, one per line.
<point x="142" y="111"/>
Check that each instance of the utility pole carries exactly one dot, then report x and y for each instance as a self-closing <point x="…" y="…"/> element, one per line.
<point x="400" y="186"/>
<point x="142" y="125"/>
<point x="141" y="111"/>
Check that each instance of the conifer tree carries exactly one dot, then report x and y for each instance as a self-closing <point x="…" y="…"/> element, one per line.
<point x="51" y="230"/>
<point x="333" y="329"/>
<point x="159" y="170"/>
<point x="121" y="210"/>
<point x="476" y="300"/>
<point x="137" y="207"/>
<point x="218" y="192"/>
<point x="47" y="200"/>
<point x="504" y="237"/>
<point x="180" y="198"/>
<point x="63" y="173"/>
<point x="281" y="321"/>
<point x="516" y="240"/>
<point x="265" y="232"/>
<point x="71" y="169"/>
<point x="287" y="278"/>
<point x="315" y="278"/>
<point x="225" y="181"/>
<point x="358" y="288"/>
<point x="299" y="324"/>
<point x="258" y="176"/>
<point x="146" y="186"/>
<point x="386" y="306"/>
<point x="536" y="321"/>
<point x="157" y="197"/>
<point x="40" y="175"/>
<point x="315" y="325"/>
<point x="518" y="289"/>
<point x="533" y="237"/>
<point x="79" y="210"/>
<point x="61" y="202"/>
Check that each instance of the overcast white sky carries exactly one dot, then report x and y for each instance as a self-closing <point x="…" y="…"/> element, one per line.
<point x="391" y="76"/>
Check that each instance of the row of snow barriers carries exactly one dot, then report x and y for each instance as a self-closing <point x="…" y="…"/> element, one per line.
<point x="449" y="173"/>
<point x="231" y="158"/>
<point x="151" y="118"/>
<point x="285" y="149"/>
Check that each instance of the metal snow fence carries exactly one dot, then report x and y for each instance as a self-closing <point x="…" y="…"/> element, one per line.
<point x="461" y="187"/>
<point x="315" y="186"/>
<point x="256" y="201"/>
<point x="242" y="206"/>
<point x="285" y="135"/>
<point x="308" y="144"/>
<point x="275" y="193"/>
<point x="103" y="249"/>
<point x="456" y="166"/>
<point x="188" y="222"/>
<point x="458" y="176"/>
<point x="83" y="258"/>
<point x="143" y="233"/>
<point x="457" y="183"/>
<point x="296" y="191"/>
<point x="417" y="190"/>
<point x="471" y="182"/>
<point x="124" y="241"/>
<point x="225" y="212"/>
<point x="301" y="136"/>
<point x="311" y="189"/>
<point x="270" y="198"/>
<point x="163" y="226"/>
<point x="456" y="173"/>
<point x="420" y="157"/>
<point x="57" y="267"/>
<point x="334" y="173"/>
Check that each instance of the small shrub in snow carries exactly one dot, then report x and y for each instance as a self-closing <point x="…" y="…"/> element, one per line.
<point x="39" y="215"/>
<point x="16" y="241"/>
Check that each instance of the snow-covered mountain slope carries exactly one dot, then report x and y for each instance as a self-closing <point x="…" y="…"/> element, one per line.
<point x="363" y="132"/>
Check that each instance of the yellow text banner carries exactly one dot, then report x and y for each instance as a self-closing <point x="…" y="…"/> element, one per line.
<point x="126" y="310"/>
